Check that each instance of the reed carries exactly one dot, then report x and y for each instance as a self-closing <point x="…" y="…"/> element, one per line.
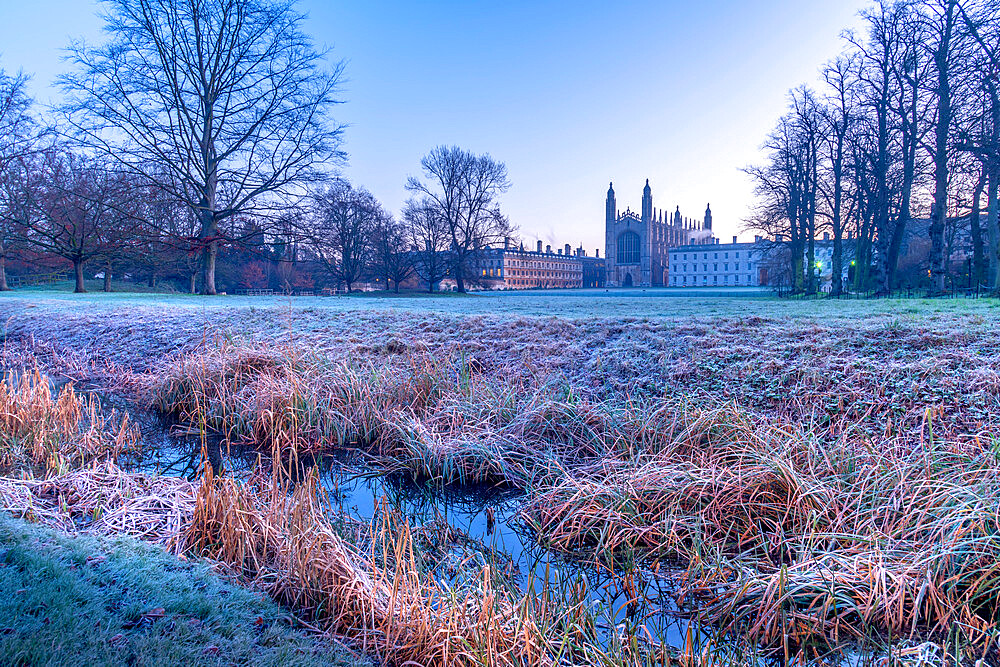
<point x="55" y="432"/>
<point x="791" y="543"/>
<point x="792" y="534"/>
<point x="103" y="500"/>
<point x="436" y="418"/>
<point x="286" y="545"/>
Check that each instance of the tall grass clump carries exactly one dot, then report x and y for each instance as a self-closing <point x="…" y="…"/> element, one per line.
<point x="440" y="418"/>
<point x="55" y="432"/>
<point x="286" y="544"/>
<point x="793" y="543"/>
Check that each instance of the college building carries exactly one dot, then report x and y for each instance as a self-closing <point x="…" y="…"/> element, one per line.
<point x="637" y="245"/>
<point x="513" y="267"/>
<point x="713" y="264"/>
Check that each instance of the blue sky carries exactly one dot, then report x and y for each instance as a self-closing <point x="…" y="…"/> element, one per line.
<point x="571" y="95"/>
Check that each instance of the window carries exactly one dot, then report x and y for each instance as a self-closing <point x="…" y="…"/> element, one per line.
<point x="725" y="267"/>
<point x="628" y="248"/>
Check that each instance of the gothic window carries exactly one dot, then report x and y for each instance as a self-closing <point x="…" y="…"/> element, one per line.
<point x="628" y="248"/>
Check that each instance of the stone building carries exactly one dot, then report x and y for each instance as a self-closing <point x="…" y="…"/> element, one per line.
<point x="712" y="264"/>
<point x="637" y="244"/>
<point x="512" y="267"/>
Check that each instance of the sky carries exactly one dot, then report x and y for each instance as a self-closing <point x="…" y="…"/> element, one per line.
<point x="571" y="95"/>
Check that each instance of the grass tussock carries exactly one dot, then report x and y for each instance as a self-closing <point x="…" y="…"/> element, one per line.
<point x="791" y="535"/>
<point x="56" y="432"/>
<point x="287" y="546"/>
<point x="438" y="418"/>
<point x="792" y="543"/>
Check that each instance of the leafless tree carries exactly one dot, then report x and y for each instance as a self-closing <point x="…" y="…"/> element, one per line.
<point x="837" y="114"/>
<point x="981" y="133"/>
<point x="944" y="44"/>
<point x="787" y="187"/>
<point x="463" y="188"/>
<point x="79" y="208"/>
<point x="340" y="230"/>
<point x="429" y="239"/>
<point x="19" y="134"/>
<point x="391" y="256"/>
<point x="228" y="98"/>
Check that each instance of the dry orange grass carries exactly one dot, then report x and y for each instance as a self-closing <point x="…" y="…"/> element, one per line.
<point x="56" y="432"/>
<point x="286" y="545"/>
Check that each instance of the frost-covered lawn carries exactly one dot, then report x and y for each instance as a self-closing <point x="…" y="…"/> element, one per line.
<point x="821" y="410"/>
<point x="91" y="601"/>
<point x="877" y="360"/>
<point x="574" y="304"/>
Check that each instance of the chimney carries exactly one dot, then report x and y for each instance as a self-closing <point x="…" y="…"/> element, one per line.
<point x="734" y="240"/>
<point x="506" y="243"/>
<point x="568" y="251"/>
<point x="597" y="252"/>
<point x="560" y="251"/>
<point x="757" y="238"/>
<point x="539" y="246"/>
<point x="548" y="249"/>
<point x="826" y="236"/>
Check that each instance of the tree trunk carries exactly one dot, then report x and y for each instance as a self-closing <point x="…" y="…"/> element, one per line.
<point x="107" y="277"/>
<point x="978" y="260"/>
<point x="895" y="245"/>
<point x="78" y="271"/>
<point x="837" y="263"/>
<point x="194" y="283"/>
<point x="939" y="212"/>
<point x="3" y="274"/>
<point x="208" y="268"/>
<point x="992" y="228"/>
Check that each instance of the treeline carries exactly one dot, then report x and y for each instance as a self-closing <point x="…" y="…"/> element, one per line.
<point x="897" y="148"/>
<point x="198" y="146"/>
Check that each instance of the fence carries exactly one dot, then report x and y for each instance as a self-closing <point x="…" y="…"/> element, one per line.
<point x="33" y="280"/>
<point x="953" y="291"/>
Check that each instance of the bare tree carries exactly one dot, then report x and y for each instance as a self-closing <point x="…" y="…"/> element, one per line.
<point x="77" y="209"/>
<point x="429" y="238"/>
<point x="391" y="256"/>
<point x="787" y="188"/>
<point x="18" y="135"/>
<point x="340" y="230"/>
<point x="463" y="188"/>
<point x="942" y="20"/>
<point x="228" y="98"/>
<point x="982" y="132"/>
<point x="837" y="115"/>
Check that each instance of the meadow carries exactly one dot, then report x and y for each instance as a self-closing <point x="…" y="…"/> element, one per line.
<point x="803" y="481"/>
